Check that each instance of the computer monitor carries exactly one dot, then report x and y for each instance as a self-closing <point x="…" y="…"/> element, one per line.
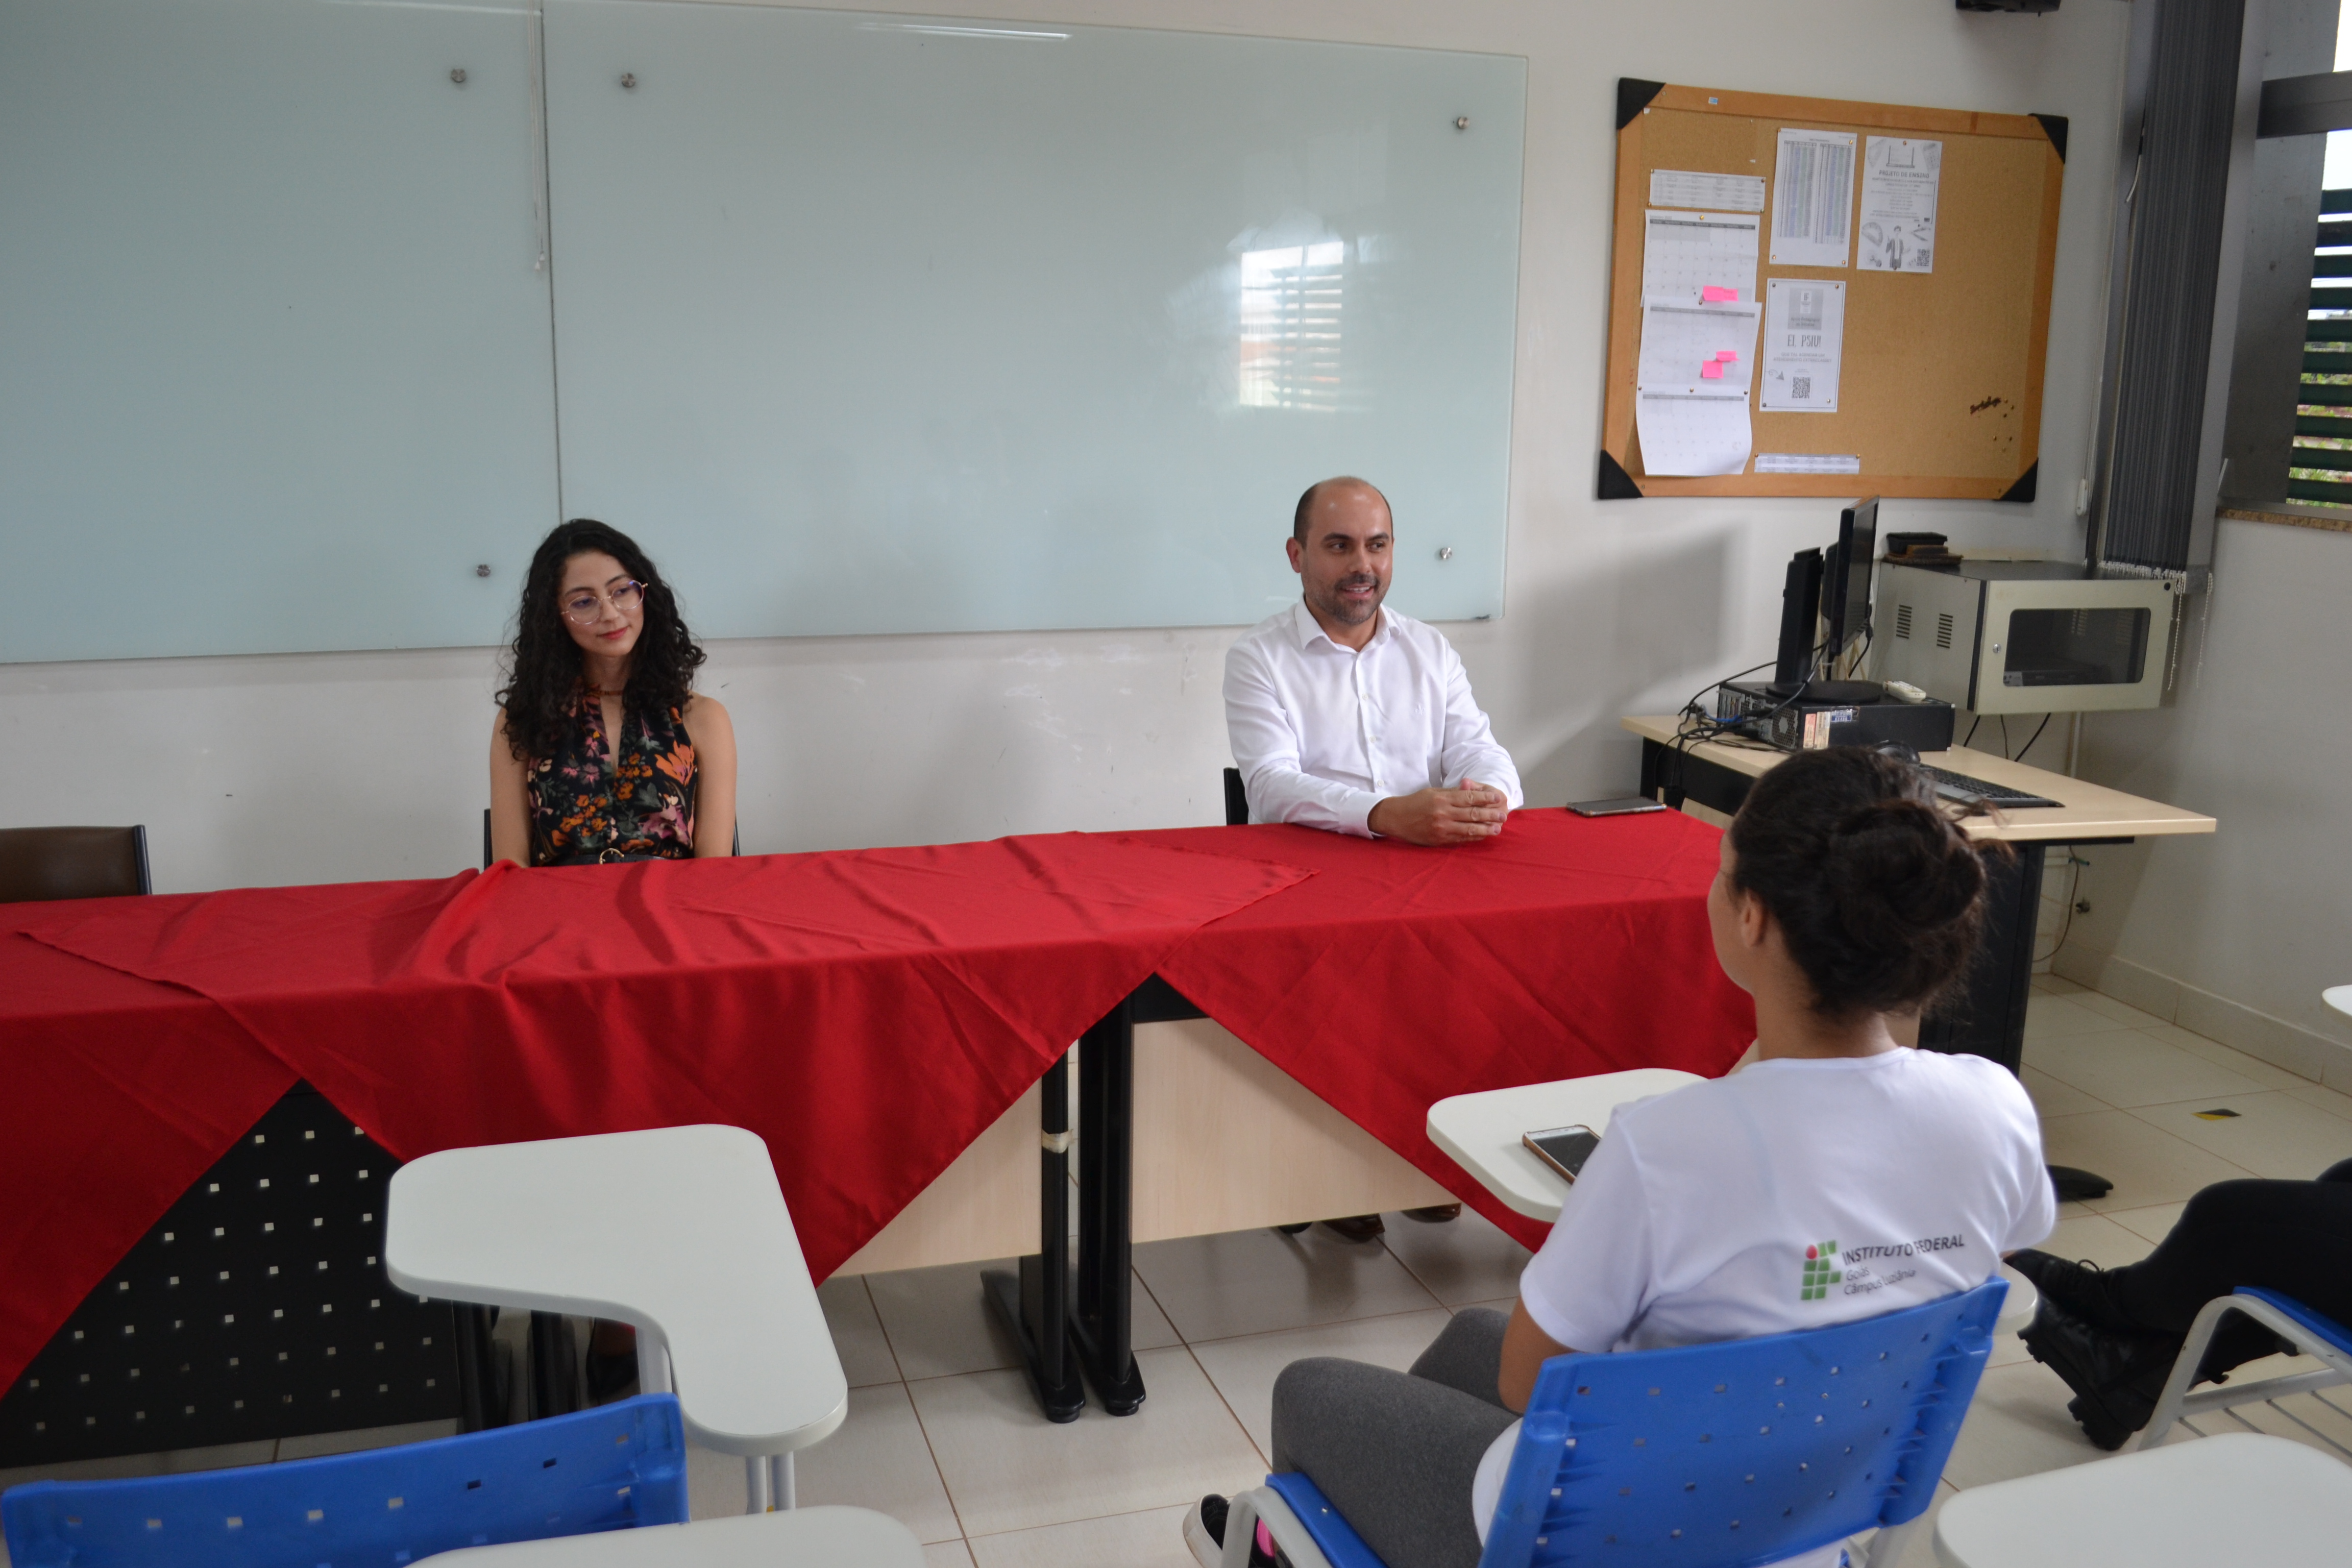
<point x="1800" y="607"/>
<point x="1846" y="580"/>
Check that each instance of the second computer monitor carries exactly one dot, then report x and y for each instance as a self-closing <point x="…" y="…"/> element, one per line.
<point x="1846" y="580"/>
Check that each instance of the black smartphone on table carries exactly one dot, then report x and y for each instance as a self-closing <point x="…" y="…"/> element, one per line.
<point x="1564" y="1149"/>
<point x="1616" y="805"/>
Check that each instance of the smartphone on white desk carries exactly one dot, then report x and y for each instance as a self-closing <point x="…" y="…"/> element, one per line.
<point x="1564" y="1149"/>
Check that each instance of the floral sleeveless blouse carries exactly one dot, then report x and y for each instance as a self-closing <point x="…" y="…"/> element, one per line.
<point x="581" y="813"/>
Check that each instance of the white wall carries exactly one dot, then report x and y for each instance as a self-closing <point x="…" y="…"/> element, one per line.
<point x="292" y="769"/>
<point x="2239" y="932"/>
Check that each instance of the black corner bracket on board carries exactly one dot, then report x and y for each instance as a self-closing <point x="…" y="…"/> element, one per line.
<point x="1616" y="484"/>
<point x="2023" y="489"/>
<point x="1633" y="95"/>
<point x="2054" y="127"/>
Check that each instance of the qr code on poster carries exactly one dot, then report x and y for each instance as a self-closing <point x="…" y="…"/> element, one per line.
<point x="1801" y="386"/>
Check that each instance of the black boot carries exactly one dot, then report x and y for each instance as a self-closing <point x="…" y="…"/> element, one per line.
<point x="2116" y="1378"/>
<point x="2080" y="1289"/>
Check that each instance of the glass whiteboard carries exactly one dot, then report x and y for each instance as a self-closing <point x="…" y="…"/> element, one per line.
<point x="870" y="323"/>
<point x="275" y="355"/>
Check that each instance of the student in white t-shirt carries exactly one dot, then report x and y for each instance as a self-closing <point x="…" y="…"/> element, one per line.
<point x="1847" y="902"/>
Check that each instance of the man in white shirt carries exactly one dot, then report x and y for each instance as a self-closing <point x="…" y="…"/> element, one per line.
<point x="1346" y="716"/>
<point x="1349" y="717"/>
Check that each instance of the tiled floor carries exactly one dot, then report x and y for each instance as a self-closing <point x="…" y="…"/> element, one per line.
<point x="942" y="1433"/>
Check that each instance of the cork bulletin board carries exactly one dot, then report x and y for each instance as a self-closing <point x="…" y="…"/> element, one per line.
<point x="1935" y="382"/>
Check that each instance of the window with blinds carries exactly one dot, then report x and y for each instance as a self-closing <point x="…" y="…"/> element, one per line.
<point x="1290" y="326"/>
<point x="2321" y="468"/>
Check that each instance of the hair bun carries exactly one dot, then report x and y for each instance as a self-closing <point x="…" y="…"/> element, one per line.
<point x="1902" y="862"/>
<point x="1879" y="893"/>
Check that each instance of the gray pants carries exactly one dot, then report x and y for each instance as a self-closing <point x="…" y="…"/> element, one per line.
<point x="1395" y="1452"/>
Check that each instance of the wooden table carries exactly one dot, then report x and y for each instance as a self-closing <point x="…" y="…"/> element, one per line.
<point x="1987" y="1018"/>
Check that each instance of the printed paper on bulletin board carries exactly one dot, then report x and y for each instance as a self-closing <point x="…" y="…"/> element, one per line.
<point x="1951" y="242"/>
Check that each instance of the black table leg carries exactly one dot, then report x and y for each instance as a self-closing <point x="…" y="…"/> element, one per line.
<point x="1035" y="1304"/>
<point x="1102" y="1322"/>
<point x="1986" y="1016"/>
<point x="481" y="1399"/>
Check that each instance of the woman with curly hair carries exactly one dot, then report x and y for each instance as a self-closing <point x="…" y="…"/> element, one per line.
<point x="601" y="751"/>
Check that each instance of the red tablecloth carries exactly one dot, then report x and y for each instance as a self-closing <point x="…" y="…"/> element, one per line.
<point x="1394" y="977"/>
<point x="868" y="1013"/>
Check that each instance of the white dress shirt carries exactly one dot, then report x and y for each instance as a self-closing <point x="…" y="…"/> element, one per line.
<point x="1322" y="733"/>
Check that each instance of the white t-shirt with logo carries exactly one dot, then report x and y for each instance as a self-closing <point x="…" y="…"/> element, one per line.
<point x="1791" y="1194"/>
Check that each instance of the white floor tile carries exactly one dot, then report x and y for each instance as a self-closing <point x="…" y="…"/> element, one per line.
<point x="2017" y="1426"/>
<point x="1149" y="1328"/>
<point x="319" y="1443"/>
<point x="938" y="1320"/>
<point x="858" y="1336"/>
<point x="2147" y="1164"/>
<point x="880" y="1460"/>
<point x="2098" y="1239"/>
<point x="1007" y="1467"/>
<point x="2052" y="1098"/>
<point x="2327" y="1099"/>
<point x="1151" y="1539"/>
<point x="2126" y="1068"/>
<point x="1256" y="1281"/>
<point x="1244" y="1369"/>
<point x="2252" y="1068"/>
<point x="2154" y="1222"/>
<point x="2274" y="1134"/>
<point x="714" y="1482"/>
<point x="946" y="1555"/>
<point x="1462" y="1260"/>
<point x="2121" y="1012"/>
<point x="2056" y="986"/>
<point x="2049" y="1018"/>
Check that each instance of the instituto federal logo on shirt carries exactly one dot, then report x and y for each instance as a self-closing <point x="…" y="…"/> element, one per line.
<point x="1820" y="1271"/>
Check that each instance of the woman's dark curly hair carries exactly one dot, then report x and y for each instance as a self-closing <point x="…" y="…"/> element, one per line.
<point x="543" y="666"/>
<point x="1880" y="895"/>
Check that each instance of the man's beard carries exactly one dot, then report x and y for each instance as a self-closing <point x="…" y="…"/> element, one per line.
<point x="1340" y="610"/>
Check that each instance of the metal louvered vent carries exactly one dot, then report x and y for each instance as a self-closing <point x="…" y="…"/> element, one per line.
<point x="2167" y="330"/>
<point x="1902" y="622"/>
<point x="2320" y="468"/>
<point x="1944" y="631"/>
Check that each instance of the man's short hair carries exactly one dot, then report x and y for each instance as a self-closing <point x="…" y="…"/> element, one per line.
<point x="1307" y="502"/>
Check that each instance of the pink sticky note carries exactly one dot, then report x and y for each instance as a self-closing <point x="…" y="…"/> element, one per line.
<point x="1711" y="370"/>
<point x="1714" y="292"/>
<point x="1729" y="356"/>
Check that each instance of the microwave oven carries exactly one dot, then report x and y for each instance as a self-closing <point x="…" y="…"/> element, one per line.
<point x="2022" y="637"/>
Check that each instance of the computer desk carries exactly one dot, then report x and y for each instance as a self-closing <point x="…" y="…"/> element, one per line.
<point x="1988" y="1018"/>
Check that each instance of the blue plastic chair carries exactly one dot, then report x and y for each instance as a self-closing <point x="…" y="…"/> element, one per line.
<point x="2315" y="1334"/>
<point x="614" y="1468"/>
<point x="1708" y="1457"/>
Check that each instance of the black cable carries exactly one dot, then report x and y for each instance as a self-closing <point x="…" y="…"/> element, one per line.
<point x="1972" y="728"/>
<point x="2036" y="735"/>
<point x="2004" y="739"/>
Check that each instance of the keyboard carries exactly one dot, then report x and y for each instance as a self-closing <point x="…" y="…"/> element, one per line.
<point x="1961" y="787"/>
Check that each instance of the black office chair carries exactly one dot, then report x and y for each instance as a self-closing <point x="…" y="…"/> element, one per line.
<point x="739" y="833"/>
<point x="1236" y="800"/>
<point x="38" y="864"/>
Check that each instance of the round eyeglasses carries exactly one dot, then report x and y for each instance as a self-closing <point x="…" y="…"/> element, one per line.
<point x="584" y="607"/>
